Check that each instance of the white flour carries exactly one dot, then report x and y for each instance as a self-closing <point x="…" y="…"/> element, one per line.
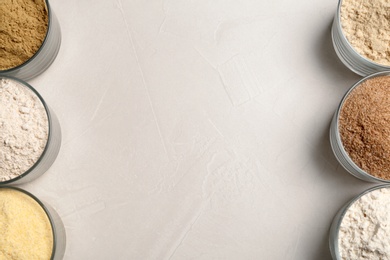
<point x="23" y="129"/>
<point x="365" y="228"/>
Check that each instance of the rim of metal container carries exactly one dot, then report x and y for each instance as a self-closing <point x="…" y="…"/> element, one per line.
<point x="354" y="61"/>
<point x="49" y="24"/>
<point x="48" y="214"/>
<point x="49" y="129"/>
<point x="335" y="226"/>
<point x="337" y="135"/>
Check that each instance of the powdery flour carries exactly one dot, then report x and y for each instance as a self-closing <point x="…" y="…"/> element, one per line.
<point x="366" y="26"/>
<point x="23" y="129"/>
<point x="365" y="229"/>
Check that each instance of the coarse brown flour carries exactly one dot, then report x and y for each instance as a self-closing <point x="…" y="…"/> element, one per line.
<point x="366" y="25"/>
<point x="23" y="128"/>
<point x="364" y="126"/>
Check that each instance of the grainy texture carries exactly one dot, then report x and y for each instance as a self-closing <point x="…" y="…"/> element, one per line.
<point x="366" y="24"/>
<point x="364" y="126"/>
<point x="23" y="27"/>
<point x="23" y="129"/>
<point x="25" y="229"/>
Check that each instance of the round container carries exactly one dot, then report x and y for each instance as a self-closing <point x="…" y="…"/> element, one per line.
<point x="45" y="55"/>
<point x="347" y="54"/>
<point x="52" y="146"/>
<point x="337" y="145"/>
<point x="337" y="220"/>
<point x="28" y="201"/>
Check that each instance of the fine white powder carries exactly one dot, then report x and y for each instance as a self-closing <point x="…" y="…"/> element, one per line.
<point x="23" y="128"/>
<point x="365" y="229"/>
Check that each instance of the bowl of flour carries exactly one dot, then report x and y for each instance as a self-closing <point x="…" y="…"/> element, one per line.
<point x="33" y="230"/>
<point x="361" y="34"/>
<point x="361" y="228"/>
<point x="30" y="38"/>
<point x="30" y="134"/>
<point x="360" y="129"/>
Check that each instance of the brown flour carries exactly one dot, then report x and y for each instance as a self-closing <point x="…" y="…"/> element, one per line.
<point x="364" y="126"/>
<point x="23" y="27"/>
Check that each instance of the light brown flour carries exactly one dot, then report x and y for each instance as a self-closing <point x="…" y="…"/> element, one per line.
<point x="23" y="27"/>
<point x="366" y="25"/>
<point x="364" y="126"/>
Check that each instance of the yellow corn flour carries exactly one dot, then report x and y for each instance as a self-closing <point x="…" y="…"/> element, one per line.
<point x="25" y="230"/>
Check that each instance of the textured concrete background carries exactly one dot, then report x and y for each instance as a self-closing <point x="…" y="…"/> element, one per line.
<point x="195" y="129"/>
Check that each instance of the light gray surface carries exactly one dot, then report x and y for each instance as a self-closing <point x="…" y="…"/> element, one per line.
<point x="195" y="129"/>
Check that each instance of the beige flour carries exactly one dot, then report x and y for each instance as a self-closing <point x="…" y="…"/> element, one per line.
<point x="23" y="129"/>
<point x="366" y="25"/>
<point x="23" y="27"/>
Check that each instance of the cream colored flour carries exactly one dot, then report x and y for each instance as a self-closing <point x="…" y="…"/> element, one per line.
<point x="23" y="129"/>
<point x="365" y="229"/>
<point x="366" y="25"/>
<point x="25" y="229"/>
